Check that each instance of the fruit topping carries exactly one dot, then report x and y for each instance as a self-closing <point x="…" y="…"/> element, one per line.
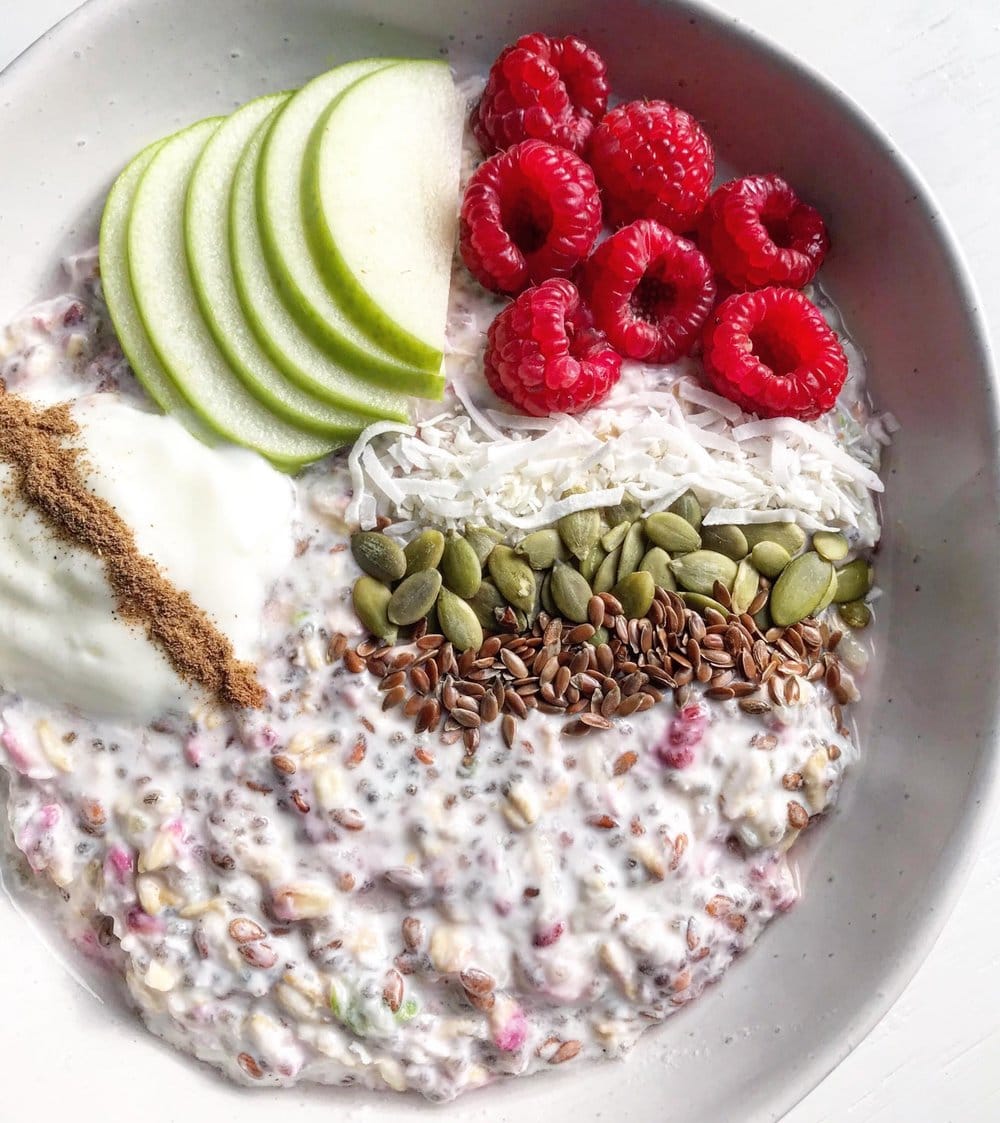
<point x="684" y="735"/>
<point x="543" y="356"/>
<point x="757" y="232"/>
<point x="391" y="273"/>
<point x="529" y="213"/>
<point x="544" y="89"/>
<point x="652" y="160"/>
<point x="774" y="354"/>
<point x="650" y="291"/>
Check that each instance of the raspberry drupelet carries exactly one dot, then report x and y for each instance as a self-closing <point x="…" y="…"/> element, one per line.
<point x="757" y="232"/>
<point x="652" y="160"/>
<point x="543" y="356"/>
<point x="529" y="213"/>
<point x="544" y="89"/>
<point x="650" y="292"/>
<point x="773" y="353"/>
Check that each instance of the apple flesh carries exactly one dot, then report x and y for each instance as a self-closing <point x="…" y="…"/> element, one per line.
<point x="206" y="221"/>
<point x="117" y="286"/>
<point x="278" y="332"/>
<point x="286" y="246"/>
<point x="379" y="184"/>
<point x="170" y="313"/>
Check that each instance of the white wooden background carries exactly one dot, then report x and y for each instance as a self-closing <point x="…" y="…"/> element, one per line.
<point x="929" y="72"/>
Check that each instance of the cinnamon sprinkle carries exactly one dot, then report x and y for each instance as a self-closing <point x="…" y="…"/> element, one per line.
<point x="47" y="476"/>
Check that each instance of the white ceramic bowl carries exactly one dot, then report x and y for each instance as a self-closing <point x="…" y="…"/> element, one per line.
<point x="883" y="873"/>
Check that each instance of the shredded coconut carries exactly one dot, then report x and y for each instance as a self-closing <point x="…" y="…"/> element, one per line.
<point x="660" y="433"/>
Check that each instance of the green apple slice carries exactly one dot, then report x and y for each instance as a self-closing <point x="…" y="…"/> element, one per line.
<point x="117" y="286"/>
<point x="170" y="314"/>
<point x="277" y="330"/>
<point x="380" y="195"/>
<point x="299" y="280"/>
<point x="206" y="229"/>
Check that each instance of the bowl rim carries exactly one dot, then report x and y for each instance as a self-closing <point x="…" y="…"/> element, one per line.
<point x="966" y="838"/>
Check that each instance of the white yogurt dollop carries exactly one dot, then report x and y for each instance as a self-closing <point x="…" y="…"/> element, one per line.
<point x="217" y="521"/>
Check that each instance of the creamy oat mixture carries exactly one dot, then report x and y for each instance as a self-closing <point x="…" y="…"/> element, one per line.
<point x="317" y="892"/>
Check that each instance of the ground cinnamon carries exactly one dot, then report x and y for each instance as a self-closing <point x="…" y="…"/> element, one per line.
<point x="47" y="475"/>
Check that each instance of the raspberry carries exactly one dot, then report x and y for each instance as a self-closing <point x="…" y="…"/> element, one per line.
<point x="542" y="88"/>
<point x="546" y="937"/>
<point x="756" y="232"/>
<point x="650" y="291"/>
<point x="652" y="160"/>
<point x="773" y="353"/>
<point x="529" y="213"/>
<point x="543" y="356"/>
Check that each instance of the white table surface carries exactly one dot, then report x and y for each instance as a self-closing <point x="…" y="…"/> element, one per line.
<point x="929" y="72"/>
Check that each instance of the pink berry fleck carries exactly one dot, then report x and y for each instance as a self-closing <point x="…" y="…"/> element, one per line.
<point x="546" y="937"/>
<point x="684" y="734"/>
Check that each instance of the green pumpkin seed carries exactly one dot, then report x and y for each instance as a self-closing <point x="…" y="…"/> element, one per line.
<point x="414" y="596"/>
<point x="627" y="511"/>
<point x="536" y="606"/>
<point x="485" y="602"/>
<point x="827" y="598"/>
<point x="700" y="602"/>
<point x="547" y="602"/>
<point x="592" y="562"/>
<point x="698" y="571"/>
<point x="424" y="552"/>
<point x="571" y="593"/>
<point x="459" y="624"/>
<point x="789" y="535"/>
<point x="580" y="531"/>
<point x="615" y="536"/>
<point x="607" y="572"/>
<point x="769" y="558"/>
<point x="633" y="549"/>
<point x="855" y="614"/>
<point x="673" y="533"/>
<point x="513" y="577"/>
<point x="635" y="593"/>
<point x="460" y="567"/>
<point x="482" y="539"/>
<point x="799" y="589"/>
<point x="831" y="545"/>
<point x="541" y="549"/>
<point x="371" y="602"/>
<point x="688" y="507"/>
<point x="853" y="581"/>
<point x="602" y="635"/>
<point x="378" y="555"/>
<point x="656" y="562"/>
<point x="725" y="539"/>
<point x="745" y="586"/>
<point x="762" y="618"/>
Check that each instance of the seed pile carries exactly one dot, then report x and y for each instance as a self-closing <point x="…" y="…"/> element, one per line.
<point x="606" y="667"/>
<point x="596" y="616"/>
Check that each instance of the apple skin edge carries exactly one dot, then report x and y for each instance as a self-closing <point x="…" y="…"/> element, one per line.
<point x="292" y="265"/>
<point x="210" y="268"/>
<point x="278" y="332"/>
<point x="169" y="311"/>
<point x="341" y="277"/>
